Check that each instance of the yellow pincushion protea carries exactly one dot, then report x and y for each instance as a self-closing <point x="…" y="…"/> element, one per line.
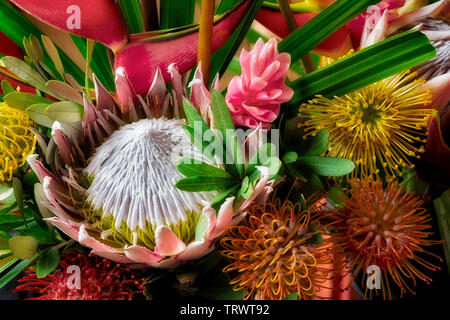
<point x="382" y="126"/>
<point x="17" y="141"/>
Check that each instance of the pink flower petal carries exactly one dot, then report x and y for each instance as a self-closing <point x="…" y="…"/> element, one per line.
<point x="69" y="229"/>
<point x="195" y="250"/>
<point x="38" y="167"/>
<point x="85" y="239"/>
<point x="64" y="148"/>
<point x="142" y="255"/>
<point x="167" y="243"/>
<point x="124" y="89"/>
<point x="252" y="144"/>
<point x="440" y="88"/>
<point x="224" y="218"/>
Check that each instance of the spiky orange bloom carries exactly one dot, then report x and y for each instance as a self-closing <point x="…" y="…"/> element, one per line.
<point x="277" y="251"/>
<point x="384" y="227"/>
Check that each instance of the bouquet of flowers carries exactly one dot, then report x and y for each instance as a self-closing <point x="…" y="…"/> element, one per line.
<point x="233" y="149"/>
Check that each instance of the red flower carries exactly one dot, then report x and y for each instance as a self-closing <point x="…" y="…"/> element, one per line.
<point x="99" y="279"/>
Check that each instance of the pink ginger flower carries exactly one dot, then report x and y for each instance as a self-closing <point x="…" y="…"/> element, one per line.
<point x="255" y="97"/>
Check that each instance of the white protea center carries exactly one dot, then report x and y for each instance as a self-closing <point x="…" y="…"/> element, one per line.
<point x="134" y="172"/>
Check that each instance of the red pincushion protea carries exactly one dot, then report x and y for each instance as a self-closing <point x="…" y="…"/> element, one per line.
<point x="100" y="279"/>
<point x="388" y="228"/>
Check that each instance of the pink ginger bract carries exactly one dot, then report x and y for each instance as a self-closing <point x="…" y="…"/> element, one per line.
<point x="255" y="96"/>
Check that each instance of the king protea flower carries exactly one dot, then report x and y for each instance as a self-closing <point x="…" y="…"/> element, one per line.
<point x="110" y="179"/>
<point x="99" y="279"/>
<point x="255" y="97"/>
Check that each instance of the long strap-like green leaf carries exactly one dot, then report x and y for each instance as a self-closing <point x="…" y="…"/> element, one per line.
<point x="312" y="33"/>
<point x="365" y="67"/>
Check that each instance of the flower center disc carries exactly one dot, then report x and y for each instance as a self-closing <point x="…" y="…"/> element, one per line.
<point x="133" y="174"/>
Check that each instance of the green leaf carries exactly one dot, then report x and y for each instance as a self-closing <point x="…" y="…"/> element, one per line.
<point x="225" y="5"/>
<point x="175" y="13"/>
<point x="7" y="87"/>
<point x="65" y="111"/>
<point x="47" y="263"/>
<point x="328" y="167"/>
<point x="23" y="100"/>
<point x="221" y="58"/>
<point x="323" y="25"/>
<point x="11" y="221"/>
<point x="274" y="165"/>
<point x="65" y="91"/>
<point x="265" y="152"/>
<point x="293" y="296"/>
<point x="6" y="262"/>
<point x="52" y="51"/>
<point x="131" y="10"/>
<point x="37" y="113"/>
<point x="99" y="64"/>
<point x="204" y="183"/>
<point x="196" y="122"/>
<point x="363" y="68"/>
<point x="191" y="168"/>
<point x="316" y="144"/>
<point x="224" y="124"/>
<point x="26" y="73"/>
<point x="296" y="7"/>
<point x="220" y="198"/>
<point x="442" y="207"/>
<point x="18" y="194"/>
<point x="290" y="157"/>
<point x="4" y="243"/>
<point x="16" y="270"/>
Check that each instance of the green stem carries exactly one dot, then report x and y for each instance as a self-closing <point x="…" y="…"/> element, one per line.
<point x="286" y="11"/>
<point x="442" y="208"/>
<point x="89" y="49"/>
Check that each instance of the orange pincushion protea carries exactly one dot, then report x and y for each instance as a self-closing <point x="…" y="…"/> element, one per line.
<point x="387" y="228"/>
<point x="277" y="251"/>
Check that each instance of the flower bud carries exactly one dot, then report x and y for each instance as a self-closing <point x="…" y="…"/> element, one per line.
<point x="23" y="247"/>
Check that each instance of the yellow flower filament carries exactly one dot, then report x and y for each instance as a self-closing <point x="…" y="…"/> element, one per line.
<point x="380" y="126"/>
<point x="17" y="141"/>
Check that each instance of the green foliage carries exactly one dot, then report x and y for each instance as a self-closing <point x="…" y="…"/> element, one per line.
<point x="131" y="10"/>
<point x="175" y="13"/>
<point x="442" y="207"/>
<point x="312" y="33"/>
<point x="221" y="59"/>
<point x="229" y="178"/>
<point x="363" y="68"/>
<point x="47" y="263"/>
